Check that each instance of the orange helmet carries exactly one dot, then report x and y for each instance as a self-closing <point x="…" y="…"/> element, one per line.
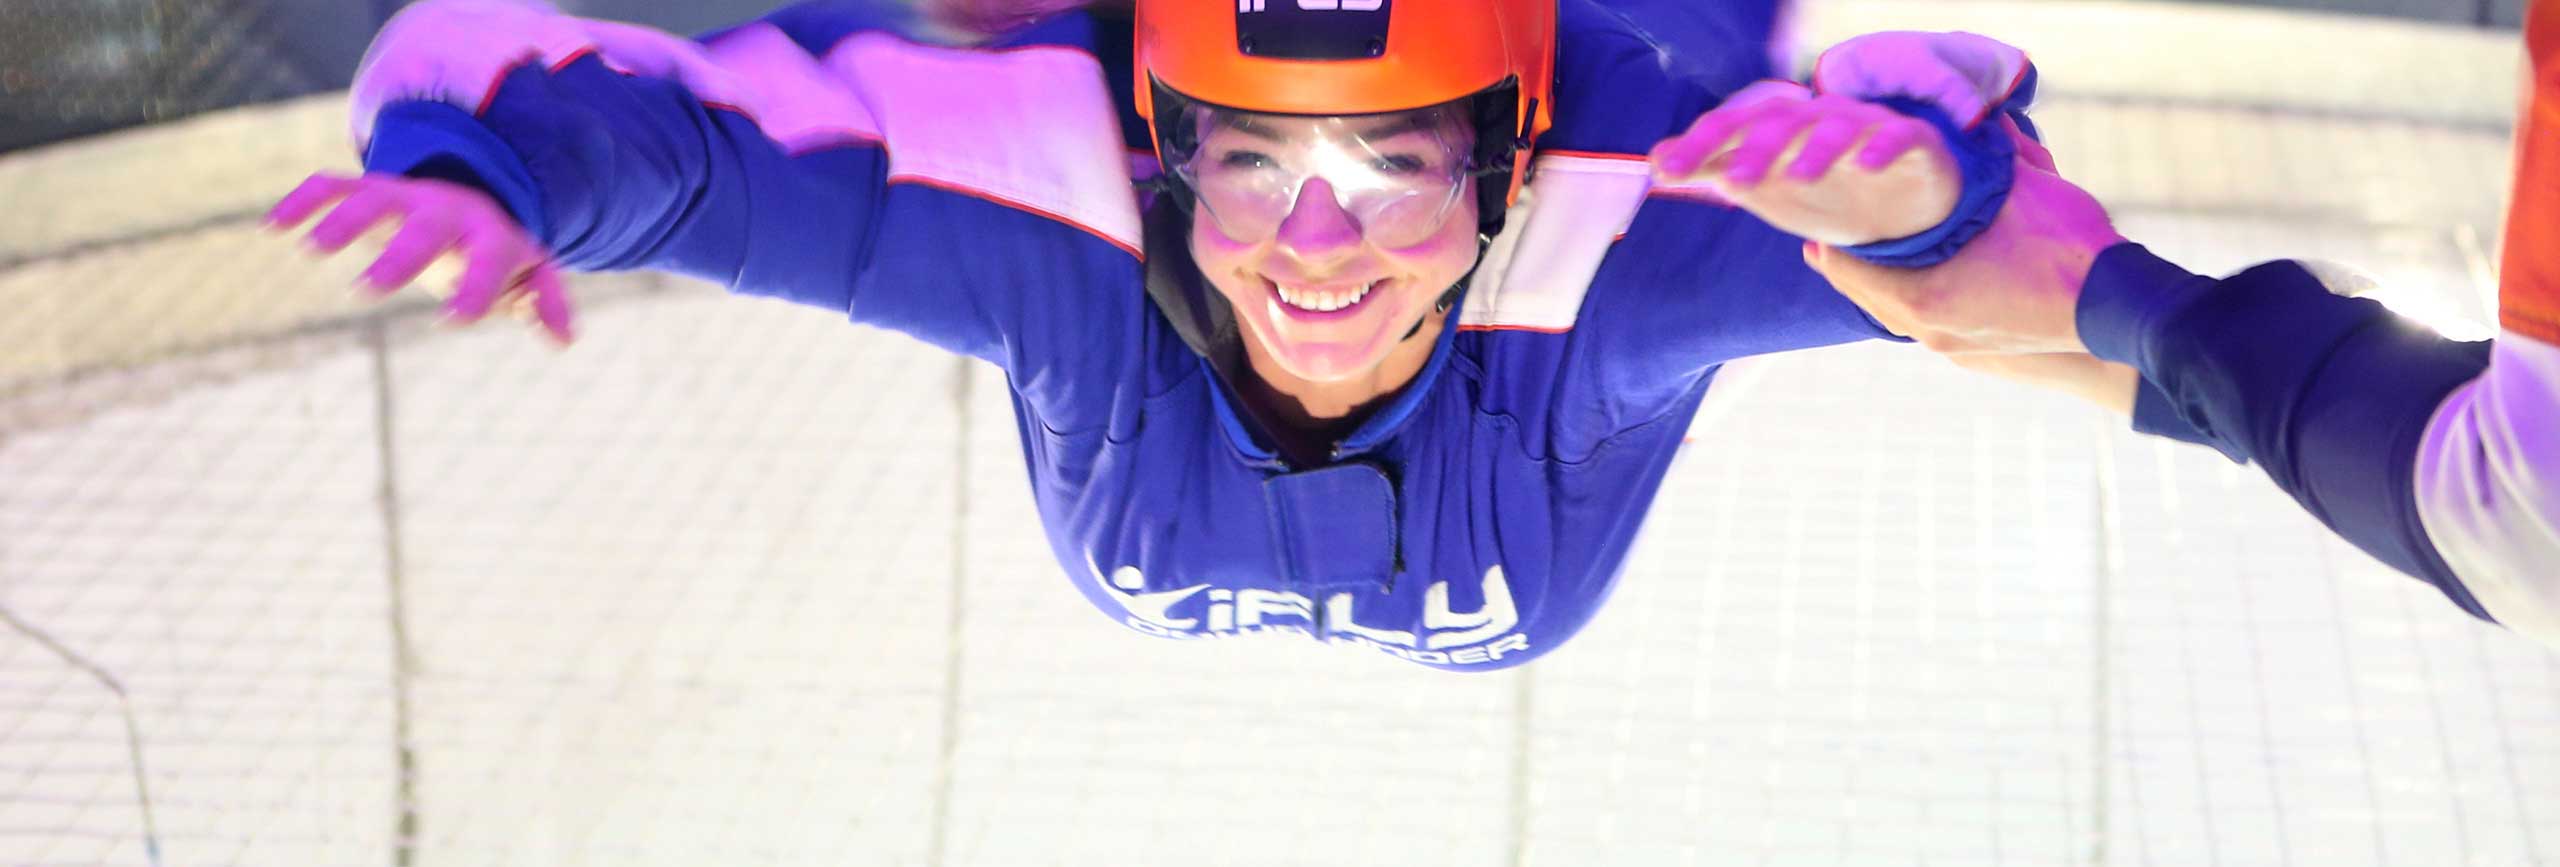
<point x="1340" y="57"/>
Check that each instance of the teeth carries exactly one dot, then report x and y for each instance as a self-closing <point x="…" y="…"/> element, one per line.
<point x="1324" y="302"/>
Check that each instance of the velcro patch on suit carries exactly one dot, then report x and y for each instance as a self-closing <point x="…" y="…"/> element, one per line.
<point x="1333" y="528"/>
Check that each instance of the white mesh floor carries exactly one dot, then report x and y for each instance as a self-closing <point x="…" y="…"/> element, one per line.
<point x="734" y="583"/>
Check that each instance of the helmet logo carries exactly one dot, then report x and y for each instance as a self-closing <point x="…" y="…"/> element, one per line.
<point x="1312" y="29"/>
<point x="1316" y="5"/>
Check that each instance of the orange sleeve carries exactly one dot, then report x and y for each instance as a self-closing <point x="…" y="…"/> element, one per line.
<point x="2529" y="289"/>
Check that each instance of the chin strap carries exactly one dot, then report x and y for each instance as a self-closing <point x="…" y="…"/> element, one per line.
<point x="1449" y="298"/>
<point x="1162" y="183"/>
<point x="1437" y="308"/>
<point x="1442" y="306"/>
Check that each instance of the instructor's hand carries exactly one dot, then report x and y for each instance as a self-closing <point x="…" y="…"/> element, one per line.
<point x="2013" y="289"/>
<point x="501" y="263"/>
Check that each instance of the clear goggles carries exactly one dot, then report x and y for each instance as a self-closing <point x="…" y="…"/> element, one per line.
<point x="1397" y="175"/>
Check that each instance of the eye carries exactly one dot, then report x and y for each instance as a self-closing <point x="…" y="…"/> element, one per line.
<point x="1246" y="160"/>
<point x="1398" y="164"/>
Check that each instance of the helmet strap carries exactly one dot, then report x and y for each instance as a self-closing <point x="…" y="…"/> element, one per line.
<point x="1449" y="297"/>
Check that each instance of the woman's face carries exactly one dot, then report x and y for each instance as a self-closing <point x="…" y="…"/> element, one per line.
<point x="1332" y="236"/>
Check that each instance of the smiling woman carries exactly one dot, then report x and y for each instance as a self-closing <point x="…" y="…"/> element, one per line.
<point x="294" y="580"/>
<point x="1339" y="242"/>
<point x="1346" y="169"/>
<point x="1350" y="373"/>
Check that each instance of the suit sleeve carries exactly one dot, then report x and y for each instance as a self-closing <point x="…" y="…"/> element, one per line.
<point x="1964" y="85"/>
<point x="2331" y="396"/>
<point x="1680" y="281"/>
<point x="2441" y="459"/>
<point x="1718" y="283"/>
<point x="850" y="170"/>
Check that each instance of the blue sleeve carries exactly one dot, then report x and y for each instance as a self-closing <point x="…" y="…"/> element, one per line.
<point x="751" y="164"/>
<point x="1721" y="283"/>
<point x="1725" y="286"/>
<point x="2329" y="395"/>
<point x="1961" y="84"/>
<point x="1693" y="283"/>
<point x="616" y="172"/>
<point x="1988" y="160"/>
<point x="2155" y="414"/>
<point x="1723" y="45"/>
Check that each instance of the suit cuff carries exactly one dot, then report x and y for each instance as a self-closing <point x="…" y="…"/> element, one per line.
<point x="424" y="139"/>
<point x="1987" y="159"/>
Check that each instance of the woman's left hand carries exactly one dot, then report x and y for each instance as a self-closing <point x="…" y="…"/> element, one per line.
<point x="2013" y="289"/>
<point x="1776" y="149"/>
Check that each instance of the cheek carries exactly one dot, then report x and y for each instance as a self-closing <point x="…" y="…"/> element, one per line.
<point x="1219" y="258"/>
<point x="1213" y="249"/>
<point x="1447" y="256"/>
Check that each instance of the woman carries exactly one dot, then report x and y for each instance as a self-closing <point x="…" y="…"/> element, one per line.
<point x="1345" y="370"/>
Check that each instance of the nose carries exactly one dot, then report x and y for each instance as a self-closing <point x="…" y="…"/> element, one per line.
<point x="1317" y="228"/>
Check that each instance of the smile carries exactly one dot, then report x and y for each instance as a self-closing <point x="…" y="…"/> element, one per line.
<point x="1323" y="300"/>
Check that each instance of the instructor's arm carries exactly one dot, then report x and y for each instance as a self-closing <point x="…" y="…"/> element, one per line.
<point x="2439" y="458"/>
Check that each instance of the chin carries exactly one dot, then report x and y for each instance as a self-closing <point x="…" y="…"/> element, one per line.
<point x="1328" y="363"/>
<point x="1322" y="360"/>
<point x="1331" y="351"/>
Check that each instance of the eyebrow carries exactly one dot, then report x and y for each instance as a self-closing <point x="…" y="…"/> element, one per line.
<point x="1407" y="122"/>
<point x="1248" y="126"/>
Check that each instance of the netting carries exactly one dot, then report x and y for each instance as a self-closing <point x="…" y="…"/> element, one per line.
<point x="290" y="579"/>
<point x="69" y="67"/>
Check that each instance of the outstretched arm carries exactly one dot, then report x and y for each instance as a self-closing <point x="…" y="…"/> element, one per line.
<point x="618" y="147"/>
<point x="2441" y="458"/>
<point x="1716" y="214"/>
<point x="2436" y="457"/>
<point x="1900" y="153"/>
<point x="963" y="197"/>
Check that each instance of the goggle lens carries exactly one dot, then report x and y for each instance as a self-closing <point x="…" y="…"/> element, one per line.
<point x="1397" y="176"/>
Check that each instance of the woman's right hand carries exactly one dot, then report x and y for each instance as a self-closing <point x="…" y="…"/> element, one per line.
<point x="501" y="263"/>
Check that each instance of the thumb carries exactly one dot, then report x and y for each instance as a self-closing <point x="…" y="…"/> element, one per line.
<point x="1816" y="256"/>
